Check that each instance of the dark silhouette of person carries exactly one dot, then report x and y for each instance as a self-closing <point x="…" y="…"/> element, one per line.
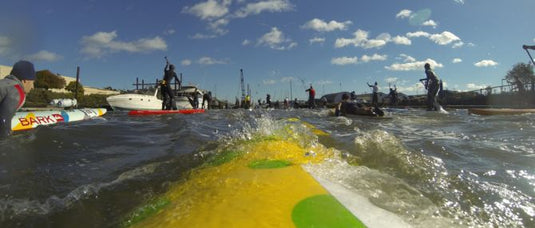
<point x="268" y="100"/>
<point x="375" y="94"/>
<point x="167" y="92"/>
<point x="208" y="98"/>
<point x="311" y="95"/>
<point x="393" y="96"/>
<point x="432" y="86"/>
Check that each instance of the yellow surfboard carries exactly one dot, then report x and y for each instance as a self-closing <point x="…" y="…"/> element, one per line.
<point x="254" y="183"/>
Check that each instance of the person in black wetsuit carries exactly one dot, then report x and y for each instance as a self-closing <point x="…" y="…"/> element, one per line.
<point x="167" y="92"/>
<point x="432" y="86"/>
<point x="268" y="100"/>
<point x="393" y="96"/>
<point x="13" y="90"/>
<point x="208" y="98"/>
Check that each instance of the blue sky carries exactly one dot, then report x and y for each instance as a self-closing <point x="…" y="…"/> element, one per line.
<point x="334" y="45"/>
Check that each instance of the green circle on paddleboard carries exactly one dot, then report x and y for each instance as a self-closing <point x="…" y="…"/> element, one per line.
<point x="323" y="211"/>
<point x="269" y="164"/>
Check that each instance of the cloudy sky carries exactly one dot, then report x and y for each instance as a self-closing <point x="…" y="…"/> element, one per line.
<point x="335" y="45"/>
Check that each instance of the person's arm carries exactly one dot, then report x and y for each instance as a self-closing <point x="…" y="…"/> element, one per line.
<point x="8" y="108"/>
<point x="178" y="80"/>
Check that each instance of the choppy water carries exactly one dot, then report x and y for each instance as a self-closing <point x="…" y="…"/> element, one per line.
<point x="431" y="169"/>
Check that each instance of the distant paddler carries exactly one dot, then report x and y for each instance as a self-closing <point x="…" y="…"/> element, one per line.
<point x="311" y="97"/>
<point x="375" y="95"/>
<point x="431" y="84"/>
<point x="167" y="93"/>
<point x="13" y="90"/>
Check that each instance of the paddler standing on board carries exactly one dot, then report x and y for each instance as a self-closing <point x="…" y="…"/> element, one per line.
<point x="375" y="95"/>
<point x="311" y="97"/>
<point x="167" y="92"/>
<point x="13" y="90"/>
<point x="431" y="83"/>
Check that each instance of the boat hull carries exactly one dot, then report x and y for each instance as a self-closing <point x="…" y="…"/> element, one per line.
<point x="162" y="112"/>
<point x="134" y="102"/>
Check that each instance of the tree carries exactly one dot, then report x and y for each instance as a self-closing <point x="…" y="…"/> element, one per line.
<point x="520" y="75"/>
<point x="72" y="88"/>
<point x="46" y="79"/>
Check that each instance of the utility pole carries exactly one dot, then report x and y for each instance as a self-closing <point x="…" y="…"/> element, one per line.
<point x="242" y="84"/>
<point x="291" y="98"/>
<point x="77" y="82"/>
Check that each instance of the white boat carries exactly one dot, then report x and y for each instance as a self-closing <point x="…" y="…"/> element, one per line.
<point x="185" y="93"/>
<point x="152" y="102"/>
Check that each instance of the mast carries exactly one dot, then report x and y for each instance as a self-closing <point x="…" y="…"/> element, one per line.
<point x="242" y="84"/>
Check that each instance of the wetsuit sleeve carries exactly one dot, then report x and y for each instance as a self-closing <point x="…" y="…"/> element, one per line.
<point x="10" y="101"/>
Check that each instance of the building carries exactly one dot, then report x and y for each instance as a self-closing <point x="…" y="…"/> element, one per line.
<point x="5" y="70"/>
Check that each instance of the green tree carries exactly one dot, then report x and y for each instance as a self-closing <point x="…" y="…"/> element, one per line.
<point x="46" y="79"/>
<point x="520" y="75"/>
<point x="72" y="88"/>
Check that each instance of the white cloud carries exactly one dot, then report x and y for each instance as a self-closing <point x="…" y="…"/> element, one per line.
<point x="245" y="42"/>
<point x="430" y="23"/>
<point x="374" y="57"/>
<point x="401" y="40"/>
<point x="288" y="79"/>
<point x="5" y="43"/>
<point x="322" y="26"/>
<point x="458" y="44"/>
<point x="407" y="58"/>
<point x="316" y="40"/>
<point x="459" y="1"/>
<point x="344" y="60"/>
<point x="209" y="9"/>
<point x="360" y="39"/>
<point x="217" y="13"/>
<point x="485" y="63"/>
<point x="44" y="55"/>
<point x="404" y="13"/>
<point x="216" y="26"/>
<point x="323" y="82"/>
<point x="444" y="38"/>
<point x="354" y="60"/>
<point x="199" y="36"/>
<point x="210" y="61"/>
<point x="418" y="34"/>
<point x="259" y="7"/>
<point x="102" y="43"/>
<point x="473" y="86"/>
<point x="391" y="79"/>
<point x="275" y="39"/>
<point x="169" y="32"/>
<point x="416" y="87"/>
<point x="185" y="62"/>
<point x="413" y="65"/>
<point x="269" y="82"/>
<point x="456" y="60"/>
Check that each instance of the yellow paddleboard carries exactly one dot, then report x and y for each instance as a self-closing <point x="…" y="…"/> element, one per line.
<point x="251" y="183"/>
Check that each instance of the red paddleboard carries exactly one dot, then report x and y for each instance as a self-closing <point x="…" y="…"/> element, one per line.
<point x="161" y="112"/>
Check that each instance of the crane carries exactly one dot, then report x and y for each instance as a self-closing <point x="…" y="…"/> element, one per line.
<point x="526" y="47"/>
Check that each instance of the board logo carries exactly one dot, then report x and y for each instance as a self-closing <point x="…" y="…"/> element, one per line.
<point x="41" y="120"/>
